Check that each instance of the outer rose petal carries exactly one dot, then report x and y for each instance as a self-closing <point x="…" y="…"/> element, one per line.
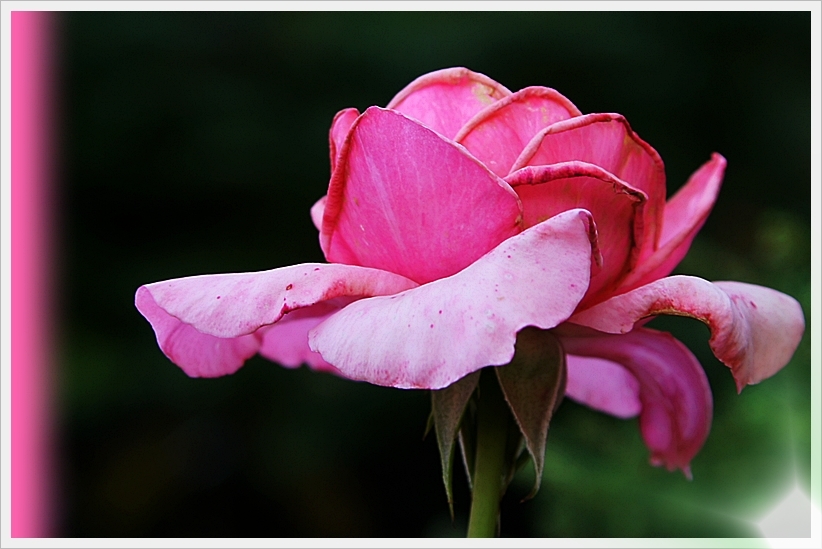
<point x="675" y="395"/>
<point x="497" y="134"/>
<point x="198" y="354"/>
<point x="602" y="385"/>
<point x="342" y="122"/>
<point x="405" y="199"/>
<point x="317" y="214"/>
<point x="317" y="211"/>
<point x="433" y="335"/>
<point x="754" y="330"/>
<point x="685" y="214"/>
<point x="231" y="305"/>
<point x="446" y="99"/>
<point x="286" y="342"/>
<point x="607" y="141"/>
<point x="617" y="209"/>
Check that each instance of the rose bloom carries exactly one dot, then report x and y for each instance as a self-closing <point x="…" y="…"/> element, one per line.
<point x="462" y="213"/>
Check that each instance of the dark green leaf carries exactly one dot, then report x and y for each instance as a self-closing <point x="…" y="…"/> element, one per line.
<point x="447" y="407"/>
<point x="533" y="384"/>
<point x="468" y="441"/>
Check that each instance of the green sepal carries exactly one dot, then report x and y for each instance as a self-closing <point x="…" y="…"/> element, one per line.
<point x="447" y="408"/>
<point x="515" y="454"/>
<point x="468" y="441"/>
<point x="533" y="384"/>
<point x="428" y="425"/>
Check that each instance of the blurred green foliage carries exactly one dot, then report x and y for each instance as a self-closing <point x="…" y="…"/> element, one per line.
<point x="197" y="142"/>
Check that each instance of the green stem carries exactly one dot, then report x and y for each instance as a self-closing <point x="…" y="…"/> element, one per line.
<point x="492" y="427"/>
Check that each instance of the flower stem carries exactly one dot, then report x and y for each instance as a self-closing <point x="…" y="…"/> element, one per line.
<point x="492" y="427"/>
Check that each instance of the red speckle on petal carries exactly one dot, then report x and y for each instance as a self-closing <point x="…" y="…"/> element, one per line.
<point x="753" y="304"/>
<point x="218" y="297"/>
<point x="432" y="326"/>
<point x="289" y="286"/>
<point x="440" y="311"/>
<point x="316" y="268"/>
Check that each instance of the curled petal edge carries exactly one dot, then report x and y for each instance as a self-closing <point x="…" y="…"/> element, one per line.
<point x="209" y="325"/>
<point x="684" y="214"/>
<point x="754" y="330"/>
<point x="676" y="401"/>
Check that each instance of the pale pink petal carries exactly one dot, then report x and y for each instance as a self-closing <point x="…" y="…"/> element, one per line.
<point x="317" y="211"/>
<point x="286" y="342"/>
<point x="208" y="324"/>
<point x="685" y="214"/>
<point x="198" y="354"/>
<point x="498" y="133"/>
<point x="676" y="399"/>
<point x="607" y="141"/>
<point x="617" y="209"/>
<point x="231" y="305"/>
<point x="446" y="99"/>
<point x="342" y="122"/>
<point x="433" y="335"/>
<point x="602" y="385"/>
<point x="317" y="214"/>
<point x="405" y="199"/>
<point x="754" y="330"/>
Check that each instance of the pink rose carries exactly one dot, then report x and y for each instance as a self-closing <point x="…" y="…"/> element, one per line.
<point x="459" y="215"/>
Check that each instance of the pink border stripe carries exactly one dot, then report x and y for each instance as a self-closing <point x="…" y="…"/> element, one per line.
<point x="31" y="171"/>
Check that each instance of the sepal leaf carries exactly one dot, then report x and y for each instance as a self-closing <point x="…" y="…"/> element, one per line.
<point x="447" y="408"/>
<point x="533" y="384"/>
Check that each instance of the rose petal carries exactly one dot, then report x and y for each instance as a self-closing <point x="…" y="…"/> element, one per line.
<point x="198" y="354"/>
<point x="286" y="342"/>
<point x="406" y="200"/>
<point x="317" y="214"/>
<point x="607" y="141"/>
<point x="433" y="335"/>
<point x="685" y="214"/>
<point x="446" y="99"/>
<point x="754" y="330"/>
<point x="207" y="324"/>
<point x="602" y="385"/>
<point x="317" y="211"/>
<point x="616" y="206"/>
<point x="498" y="133"/>
<point x="340" y="126"/>
<point x="676" y="398"/>
<point x="231" y="305"/>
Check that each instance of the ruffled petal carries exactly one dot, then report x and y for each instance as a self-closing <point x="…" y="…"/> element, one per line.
<point x="676" y="398"/>
<point x="446" y="99"/>
<point x="207" y="324"/>
<point x="231" y="305"/>
<point x="685" y="214"/>
<point x="616" y="206"/>
<point x="498" y="133"/>
<point x="754" y="330"/>
<point x="342" y="122"/>
<point x="433" y="335"/>
<point x="198" y="354"/>
<point x="607" y="141"/>
<point x="602" y="385"/>
<point x="405" y="199"/>
<point x="286" y="342"/>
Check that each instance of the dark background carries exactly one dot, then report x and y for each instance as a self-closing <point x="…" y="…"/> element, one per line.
<point x="196" y="143"/>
